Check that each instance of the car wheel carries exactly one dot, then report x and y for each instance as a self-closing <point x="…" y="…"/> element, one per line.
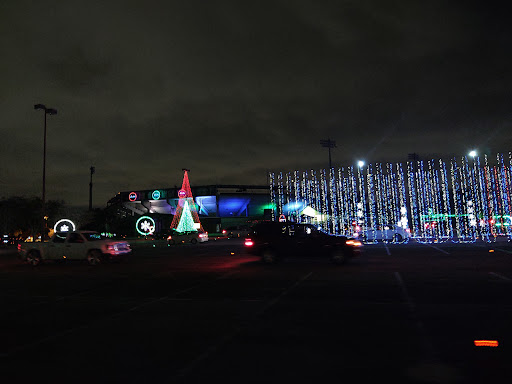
<point x="193" y="241"/>
<point x="269" y="256"/>
<point x="94" y="257"/>
<point x="338" y="257"/>
<point x="397" y="238"/>
<point x="34" y="258"/>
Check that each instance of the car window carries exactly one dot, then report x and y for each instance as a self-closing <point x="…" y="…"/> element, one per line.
<point x="92" y="236"/>
<point x="59" y="238"/>
<point x="75" y="238"/>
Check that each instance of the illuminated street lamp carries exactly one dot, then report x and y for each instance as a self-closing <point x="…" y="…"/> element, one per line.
<point x="47" y="111"/>
<point x="472" y="153"/>
<point x="360" y="163"/>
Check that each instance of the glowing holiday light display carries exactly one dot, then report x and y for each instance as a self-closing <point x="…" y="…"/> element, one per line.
<point x="145" y="225"/>
<point x="186" y="218"/>
<point x="64" y="225"/>
<point x="460" y="200"/>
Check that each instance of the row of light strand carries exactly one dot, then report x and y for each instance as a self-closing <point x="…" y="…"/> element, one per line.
<point x="472" y="201"/>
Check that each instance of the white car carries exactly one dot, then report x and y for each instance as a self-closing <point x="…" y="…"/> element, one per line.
<point x="392" y="233"/>
<point x="77" y="245"/>
<point x="187" y="237"/>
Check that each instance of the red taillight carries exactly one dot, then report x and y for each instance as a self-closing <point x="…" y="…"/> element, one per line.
<point x="224" y="231"/>
<point x="201" y="235"/>
<point x="19" y="247"/>
<point x="169" y="237"/>
<point x="354" y="243"/>
<point x="249" y="243"/>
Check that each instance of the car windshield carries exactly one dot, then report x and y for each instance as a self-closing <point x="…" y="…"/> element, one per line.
<point x="92" y="236"/>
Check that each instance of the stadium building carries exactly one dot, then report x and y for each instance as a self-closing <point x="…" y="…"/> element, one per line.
<point x="218" y="206"/>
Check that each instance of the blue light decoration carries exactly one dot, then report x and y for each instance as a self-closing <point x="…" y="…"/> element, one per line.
<point x="372" y="217"/>
<point x="272" y="185"/>
<point x="413" y="201"/>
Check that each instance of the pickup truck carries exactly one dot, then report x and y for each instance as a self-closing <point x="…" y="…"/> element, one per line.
<point x="78" y="245"/>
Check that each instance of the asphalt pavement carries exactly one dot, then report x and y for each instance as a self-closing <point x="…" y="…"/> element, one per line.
<point x="210" y="313"/>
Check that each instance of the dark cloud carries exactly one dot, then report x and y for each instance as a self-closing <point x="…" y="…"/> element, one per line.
<point x="233" y="89"/>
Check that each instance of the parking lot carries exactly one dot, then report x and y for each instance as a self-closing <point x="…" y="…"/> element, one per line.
<point x="208" y="312"/>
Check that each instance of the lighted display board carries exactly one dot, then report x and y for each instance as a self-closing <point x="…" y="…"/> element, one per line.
<point x="64" y="225"/>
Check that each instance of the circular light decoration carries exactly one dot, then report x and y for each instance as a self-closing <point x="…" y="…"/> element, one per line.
<point x="145" y="225"/>
<point x="64" y="225"/>
<point x="156" y="194"/>
<point x="133" y="196"/>
<point x="182" y="193"/>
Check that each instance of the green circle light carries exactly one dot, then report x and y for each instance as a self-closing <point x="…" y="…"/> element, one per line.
<point x="145" y="225"/>
<point x="156" y="195"/>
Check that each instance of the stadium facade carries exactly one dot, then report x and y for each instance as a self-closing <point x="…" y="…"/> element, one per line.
<point x="218" y="206"/>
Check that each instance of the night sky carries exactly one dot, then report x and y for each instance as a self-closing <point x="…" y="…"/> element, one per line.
<point x="233" y="89"/>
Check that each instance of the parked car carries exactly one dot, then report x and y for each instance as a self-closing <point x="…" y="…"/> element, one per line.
<point x="187" y="237"/>
<point x="392" y="233"/>
<point x="273" y="241"/>
<point x="237" y="231"/>
<point x="77" y="245"/>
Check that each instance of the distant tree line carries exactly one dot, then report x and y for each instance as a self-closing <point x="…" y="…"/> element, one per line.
<point x="22" y="216"/>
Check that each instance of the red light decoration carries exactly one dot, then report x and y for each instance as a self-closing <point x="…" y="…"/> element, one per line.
<point x="132" y="196"/>
<point x="486" y="343"/>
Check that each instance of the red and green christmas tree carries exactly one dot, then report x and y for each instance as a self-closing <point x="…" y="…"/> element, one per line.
<point x="186" y="218"/>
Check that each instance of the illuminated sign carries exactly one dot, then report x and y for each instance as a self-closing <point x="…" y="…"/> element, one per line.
<point x="156" y="195"/>
<point x="145" y="225"/>
<point x="132" y="196"/>
<point x="282" y="218"/>
<point x="182" y="193"/>
<point x="64" y="225"/>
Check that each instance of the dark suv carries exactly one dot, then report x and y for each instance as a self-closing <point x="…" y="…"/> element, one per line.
<point x="273" y="241"/>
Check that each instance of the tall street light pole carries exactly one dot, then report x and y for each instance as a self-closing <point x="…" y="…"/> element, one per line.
<point x="47" y="111"/>
<point x="90" y="188"/>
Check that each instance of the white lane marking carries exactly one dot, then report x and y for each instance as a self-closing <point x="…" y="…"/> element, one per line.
<point x="231" y="335"/>
<point x="439" y="249"/>
<point x="504" y="250"/>
<point x="55" y="335"/>
<point x="500" y="276"/>
<point x="428" y="348"/>
<point x="387" y="249"/>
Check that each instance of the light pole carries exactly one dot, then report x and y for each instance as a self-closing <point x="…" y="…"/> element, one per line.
<point x="328" y="144"/>
<point x="90" y="188"/>
<point x="47" y="111"/>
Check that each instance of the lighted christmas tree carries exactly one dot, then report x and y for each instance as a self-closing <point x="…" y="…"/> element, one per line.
<point x="186" y="223"/>
<point x="186" y="218"/>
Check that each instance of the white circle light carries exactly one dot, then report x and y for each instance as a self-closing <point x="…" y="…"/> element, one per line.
<point x="64" y="225"/>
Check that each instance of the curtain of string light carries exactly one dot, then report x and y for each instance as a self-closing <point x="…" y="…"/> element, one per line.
<point x="462" y="200"/>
